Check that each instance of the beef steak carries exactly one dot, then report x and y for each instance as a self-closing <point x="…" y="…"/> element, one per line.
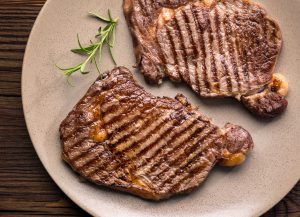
<point x="120" y="136"/>
<point x="220" y="48"/>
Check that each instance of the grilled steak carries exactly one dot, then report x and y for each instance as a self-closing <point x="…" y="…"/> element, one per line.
<point x="120" y="136"/>
<point x="220" y="48"/>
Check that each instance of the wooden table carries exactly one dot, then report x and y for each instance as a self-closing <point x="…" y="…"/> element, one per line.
<point x="25" y="187"/>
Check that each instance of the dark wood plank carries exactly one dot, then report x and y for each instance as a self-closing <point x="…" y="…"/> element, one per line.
<point x="25" y="187"/>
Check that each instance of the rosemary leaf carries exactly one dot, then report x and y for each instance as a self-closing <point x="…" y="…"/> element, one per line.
<point x="99" y="17"/>
<point x="105" y="35"/>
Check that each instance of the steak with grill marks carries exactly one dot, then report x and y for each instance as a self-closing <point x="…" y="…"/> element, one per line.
<point x="220" y="48"/>
<point x="120" y="136"/>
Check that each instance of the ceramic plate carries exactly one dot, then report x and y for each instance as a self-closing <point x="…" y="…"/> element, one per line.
<point x="248" y="190"/>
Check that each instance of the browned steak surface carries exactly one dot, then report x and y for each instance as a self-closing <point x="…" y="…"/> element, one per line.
<point x="220" y="48"/>
<point x="120" y="136"/>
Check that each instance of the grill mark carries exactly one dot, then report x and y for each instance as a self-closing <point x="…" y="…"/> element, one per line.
<point x="199" y="146"/>
<point x="113" y="112"/>
<point x="198" y="149"/>
<point x="117" y="165"/>
<point x="127" y="130"/>
<point x="168" y="144"/>
<point x="231" y="50"/>
<point x="99" y="177"/>
<point x="201" y="170"/>
<point x="129" y="121"/>
<point x="249" y="63"/>
<point x="112" y="165"/>
<point x="181" y="146"/>
<point x="87" y="167"/>
<point x="116" y="178"/>
<point x="199" y="173"/>
<point x="197" y="167"/>
<point x="242" y="56"/>
<point x="127" y="91"/>
<point x="216" y="42"/>
<point x="109" y="91"/>
<point x="88" y="116"/>
<point x="100" y="164"/>
<point x="184" y="177"/>
<point x="170" y="136"/>
<point x="105" y="92"/>
<point x="74" y="128"/>
<point x="189" y="162"/>
<point x="197" y="120"/>
<point x="113" y="108"/>
<point x="222" y="49"/>
<point x="116" y="116"/>
<point x="198" y="137"/>
<point x="119" y="87"/>
<point x="165" y="56"/>
<point x="195" y="83"/>
<point x="108" y="165"/>
<point x="143" y="151"/>
<point x="173" y="51"/>
<point x="82" y="153"/>
<point x="147" y="121"/>
<point x="194" y="123"/>
<point x="98" y="122"/>
<point x="178" y="33"/>
<point x="73" y="124"/>
<point x="84" y="135"/>
<point x="202" y="48"/>
<point x="210" y="50"/>
<point x="90" y="157"/>
<point x="163" y="119"/>
<point x="148" y="148"/>
<point x="142" y="148"/>
<point x="190" y="32"/>
<point x="109" y="106"/>
<point x="234" y="47"/>
<point x="123" y="164"/>
<point x="88" y="103"/>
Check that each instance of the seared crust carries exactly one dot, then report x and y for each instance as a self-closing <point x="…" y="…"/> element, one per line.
<point x="225" y="48"/>
<point x="238" y="140"/>
<point x="266" y="104"/>
<point x="120" y="136"/>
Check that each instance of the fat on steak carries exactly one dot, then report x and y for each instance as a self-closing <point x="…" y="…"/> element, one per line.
<point x="120" y="136"/>
<point x="220" y="48"/>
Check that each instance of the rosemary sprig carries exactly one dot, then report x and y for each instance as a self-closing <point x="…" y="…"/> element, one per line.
<point x="105" y="35"/>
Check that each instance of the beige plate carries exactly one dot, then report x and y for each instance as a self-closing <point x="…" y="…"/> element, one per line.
<point x="248" y="190"/>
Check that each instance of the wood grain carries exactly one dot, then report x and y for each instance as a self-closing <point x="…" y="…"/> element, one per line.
<point x="25" y="187"/>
